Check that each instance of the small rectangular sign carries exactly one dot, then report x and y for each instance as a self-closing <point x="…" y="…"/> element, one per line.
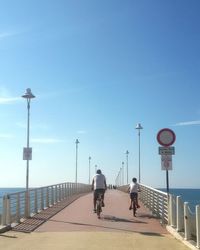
<point x="27" y="154"/>
<point x="166" y="162"/>
<point x="166" y="150"/>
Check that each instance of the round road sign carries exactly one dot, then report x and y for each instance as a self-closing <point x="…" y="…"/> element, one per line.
<point x="166" y="137"/>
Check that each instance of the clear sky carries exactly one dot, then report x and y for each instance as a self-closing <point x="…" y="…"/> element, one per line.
<point x="97" y="68"/>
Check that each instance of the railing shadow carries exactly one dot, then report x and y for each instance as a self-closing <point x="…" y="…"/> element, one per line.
<point x="109" y="227"/>
<point x="8" y="236"/>
<point x="148" y="216"/>
<point x="117" y="219"/>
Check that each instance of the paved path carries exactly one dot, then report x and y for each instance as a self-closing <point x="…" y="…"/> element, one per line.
<point x="77" y="227"/>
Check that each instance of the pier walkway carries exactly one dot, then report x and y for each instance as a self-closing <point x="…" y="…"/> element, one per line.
<point x="77" y="227"/>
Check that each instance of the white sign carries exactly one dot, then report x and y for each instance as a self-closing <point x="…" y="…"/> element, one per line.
<point x="166" y="162"/>
<point x="166" y="150"/>
<point x="27" y="154"/>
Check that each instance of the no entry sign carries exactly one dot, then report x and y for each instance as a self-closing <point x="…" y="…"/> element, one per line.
<point x="166" y="137"/>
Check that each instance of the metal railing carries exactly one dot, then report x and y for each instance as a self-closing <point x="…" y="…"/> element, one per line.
<point x="156" y="201"/>
<point x="13" y="209"/>
<point x="183" y="220"/>
<point x="172" y="211"/>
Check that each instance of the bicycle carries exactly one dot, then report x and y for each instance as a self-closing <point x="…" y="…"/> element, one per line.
<point x="99" y="203"/>
<point x="134" y="205"/>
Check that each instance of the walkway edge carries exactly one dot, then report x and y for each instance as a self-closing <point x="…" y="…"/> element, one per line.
<point x="190" y="244"/>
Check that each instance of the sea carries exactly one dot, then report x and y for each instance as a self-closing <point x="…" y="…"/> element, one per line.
<point x="4" y="191"/>
<point x="187" y="194"/>
<point x="190" y="195"/>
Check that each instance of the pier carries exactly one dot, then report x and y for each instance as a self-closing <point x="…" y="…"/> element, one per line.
<point x="70" y="223"/>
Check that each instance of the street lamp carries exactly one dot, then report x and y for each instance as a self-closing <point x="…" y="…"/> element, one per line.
<point x="27" y="151"/>
<point x="77" y="142"/>
<point x="120" y="176"/>
<point x="117" y="179"/>
<point x="139" y="127"/>
<point x="127" y="166"/>
<point x="89" y="168"/>
<point x="95" y="168"/>
<point x="122" y="173"/>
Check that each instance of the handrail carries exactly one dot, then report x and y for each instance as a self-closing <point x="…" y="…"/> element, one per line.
<point x="155" y="200"/>
<point x="40" y="198"/>
<point x="172" y="211"/>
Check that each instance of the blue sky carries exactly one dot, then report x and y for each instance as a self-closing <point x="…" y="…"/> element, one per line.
<point x="97" y="68"/>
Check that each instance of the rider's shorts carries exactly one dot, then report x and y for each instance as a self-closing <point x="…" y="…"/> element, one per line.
<point x="97" y="191"/>
<point x="133" y="195"/>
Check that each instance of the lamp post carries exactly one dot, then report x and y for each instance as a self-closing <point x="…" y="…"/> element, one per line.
<point x="122" y="173"/>
<point x="27" y="154"/>
<point x="139" y="127"/>
<point x="120" y="176"/>
<point x="95" y="168"/>
<point x="127" y="166"/>
<point x="117" y="181"/>
<point x="89" y="169"/>
<point x="77" y="142"/>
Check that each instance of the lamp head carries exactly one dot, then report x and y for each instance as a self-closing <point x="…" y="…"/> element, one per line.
<point x="138" y="126"/>
<point x="28" y="94"/>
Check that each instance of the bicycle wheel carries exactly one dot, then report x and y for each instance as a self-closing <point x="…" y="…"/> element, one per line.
<point x="134" y="208"/>
<point x="98" y="209"/>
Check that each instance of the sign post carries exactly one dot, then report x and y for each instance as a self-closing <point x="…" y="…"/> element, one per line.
<point x="166" y="137"/>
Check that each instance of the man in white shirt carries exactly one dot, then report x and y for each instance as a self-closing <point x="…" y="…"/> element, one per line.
<point x="99" y="186"/>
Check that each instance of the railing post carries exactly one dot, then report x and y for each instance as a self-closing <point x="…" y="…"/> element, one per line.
<point x="52" y="195"/>
<point x="198" y="225"/>
<point x="187" y="222"/>
<point x="169" y="209"/>
<point x="18" y="208"/>
<point x="172" y="211"/>
<point x="59" y="192"/>
<point x="56" y="194"/>
<point x="180" y="214"/>
<point x="8" y="215"/>
<point x="163" y="211"/>
<point x="65" y="189"/>
<point x="4" y="210"/>
<point x="70" y="189"/>
<point x="42" y="199"/>
<point x="36" y="201"/>
<point x="47" y="196"/>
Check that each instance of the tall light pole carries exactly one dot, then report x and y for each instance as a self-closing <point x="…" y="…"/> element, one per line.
<point x="77" y="142"/>
<point x="89" y="169"/>
<point x="95" y="168"/>
<point x="122" y="173"/>
<point x="27" y="151"/>
<point x="127" y="166"/>
<point x="120" y="176"/>
<point x="139" y="127"/>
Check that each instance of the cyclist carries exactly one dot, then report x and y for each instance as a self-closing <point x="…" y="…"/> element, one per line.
<point x="133" y="190"/>
<point x="99" y="186"/>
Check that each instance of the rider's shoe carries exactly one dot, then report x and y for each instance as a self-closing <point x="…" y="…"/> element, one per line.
<point x="103" y="205"/>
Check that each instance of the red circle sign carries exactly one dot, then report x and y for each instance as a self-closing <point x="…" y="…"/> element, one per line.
<point x="166" y="137"/>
